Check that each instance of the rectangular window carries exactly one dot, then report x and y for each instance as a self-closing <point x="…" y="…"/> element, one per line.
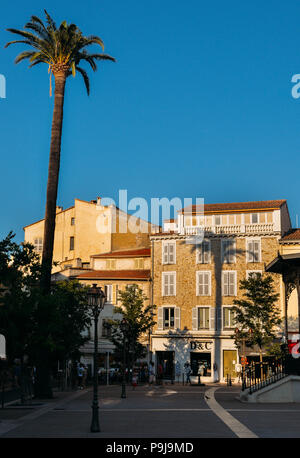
<point x="106" y="328"/>
<point x="253" y="251"/>
<point x="169" y="284"/>
<point x="110" y="264"/>
<point x="169" y="253"/>
<point x="169" y="317"/>
<point x="229" y="283"/>
<point x="217" y="220"/>
<point x="254" y="218"/>
<point x="72" y="221"/>
<point x="139" y="263"/>
<point x="203" y="317"/>
<point x="228" y="251"/>
<point x="250" y="273"/>
<point x="203" y="283"/>
<point x="203" y="253"/>
<point x="228" y="318"/>
<point x="38" y="244"/>
<point x="71" y="243"/>
<point x="108" y="293"/>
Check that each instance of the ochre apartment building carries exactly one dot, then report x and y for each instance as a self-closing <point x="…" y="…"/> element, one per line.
<point x="195" y="284"/>
<point x="87" y="228"/>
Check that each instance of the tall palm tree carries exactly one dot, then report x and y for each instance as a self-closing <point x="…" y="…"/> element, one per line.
<point x="62" y="48"/>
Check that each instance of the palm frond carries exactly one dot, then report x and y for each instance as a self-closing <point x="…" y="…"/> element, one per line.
<point x="24" y="55"/>
<point x="50" y="21"/>
<point x="62" y="48"/>
<point x="102" y="57"/>
<point x="85" y="78"/>
<point x="27" y="42"/>
<point x="93" y="39"/>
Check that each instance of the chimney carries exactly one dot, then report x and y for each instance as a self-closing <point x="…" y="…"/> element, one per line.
<point x="99" y="201"/>
<point x="59" y="209"/>
<point x="78" y="262"/>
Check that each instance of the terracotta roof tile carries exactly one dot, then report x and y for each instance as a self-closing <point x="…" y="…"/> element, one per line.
<point x="237" y="206"/>
<point x="140" y="252"/>
<point x="292" y="235"/>
<point x="116" y="274"/>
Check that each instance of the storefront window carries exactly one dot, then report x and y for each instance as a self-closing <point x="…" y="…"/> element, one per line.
<point x="198" y="359"/>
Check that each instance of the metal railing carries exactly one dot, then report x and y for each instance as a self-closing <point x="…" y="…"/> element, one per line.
<point x="260" y="375"/>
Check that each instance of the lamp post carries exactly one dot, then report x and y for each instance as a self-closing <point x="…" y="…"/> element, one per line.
<point x="123" y="326"/>
<point x="96" y="300"/>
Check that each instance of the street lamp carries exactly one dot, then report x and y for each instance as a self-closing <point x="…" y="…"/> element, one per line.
<point x="96" y="300"/>
<point x="124" y="326"/>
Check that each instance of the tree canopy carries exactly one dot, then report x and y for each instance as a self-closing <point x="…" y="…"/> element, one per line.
<point x="257" y="315"/>
<point x="139" y="319"/>
<point x="32" y="321"/>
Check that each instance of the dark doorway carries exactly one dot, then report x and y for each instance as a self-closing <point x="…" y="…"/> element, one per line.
<point x="166" y="359"/>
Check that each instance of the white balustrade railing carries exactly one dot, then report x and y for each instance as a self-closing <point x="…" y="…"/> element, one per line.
<point x="230" y="229"/>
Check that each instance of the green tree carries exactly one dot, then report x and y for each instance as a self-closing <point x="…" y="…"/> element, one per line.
<point x="62" y="49"/>
<point x="257" y="315"/>
<point x="139" y="319"/>
<point x="43" y="327"/>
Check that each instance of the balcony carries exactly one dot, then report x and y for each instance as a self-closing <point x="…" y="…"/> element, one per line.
<point x="231" y="229"/>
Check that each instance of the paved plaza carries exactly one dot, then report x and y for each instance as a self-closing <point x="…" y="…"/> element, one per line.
<point x="172" y="411"/>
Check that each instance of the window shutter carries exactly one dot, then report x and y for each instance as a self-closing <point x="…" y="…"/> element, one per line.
<point x="114" y="294"/>
<point x="195" y="318"/>
<point x="160" y="318"/>
<point x="231" y="285"/>
<point x="171" y="285"/>
<point x="199" y="291"/>
<point x="165" y="253"/>
<point x="165" y="285"/>
<point x="171" y="253"/>
<point x="207" y="283"/>
<point x="212" y="318"/>
<point x="207" y="318"/>
<point x="250" y="251"/>
<point x="206" y="252"/>
<point x="219" y="318"/>
<point x="225" y="283"/>
<point x="177" y="317"/>
<point x="199" y="254"/>
<point x="256" y="251"/>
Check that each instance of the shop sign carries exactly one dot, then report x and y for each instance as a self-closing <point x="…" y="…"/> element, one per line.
<point x="198" y="345"/>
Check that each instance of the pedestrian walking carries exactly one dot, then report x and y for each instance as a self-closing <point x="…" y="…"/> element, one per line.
<point x="151" y="372"/>
<point x="188" y="371"/>
<point x="80" y="372"/>
<point x="159" y="374"/>
<point x="178" y="370"/>
<point x="134" y="380"/>
<point x="238" y="370"/>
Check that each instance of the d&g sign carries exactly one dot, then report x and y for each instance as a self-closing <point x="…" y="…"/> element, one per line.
<point x="196" y="345"/>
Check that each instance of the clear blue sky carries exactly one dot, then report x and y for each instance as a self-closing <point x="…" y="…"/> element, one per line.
<point x="198" y="105"/>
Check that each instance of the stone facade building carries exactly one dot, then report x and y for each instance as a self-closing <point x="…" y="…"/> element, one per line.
<point x="114" y="271"/>
<point x="87" y="228"/>
<point x="194" y="284"/>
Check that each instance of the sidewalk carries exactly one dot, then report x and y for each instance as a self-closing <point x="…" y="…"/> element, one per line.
<point x="167" y="411"/>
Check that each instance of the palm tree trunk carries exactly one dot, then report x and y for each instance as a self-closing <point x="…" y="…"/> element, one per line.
<point x="52" y="185"/>
<point x="44" y="389"/>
